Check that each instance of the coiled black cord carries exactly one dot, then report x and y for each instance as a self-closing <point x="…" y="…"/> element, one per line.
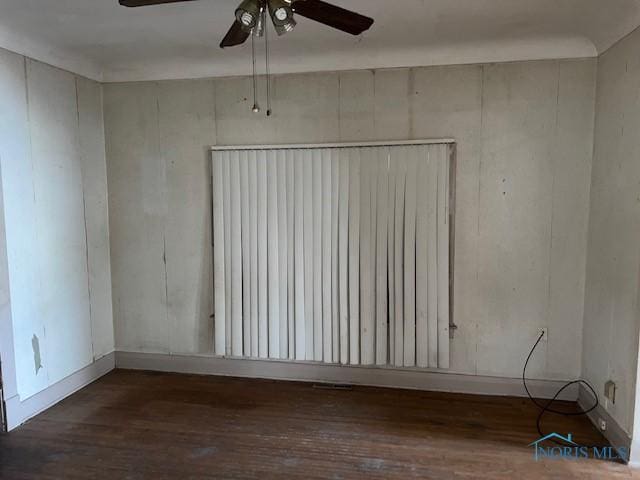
<point x="547" y="408"/>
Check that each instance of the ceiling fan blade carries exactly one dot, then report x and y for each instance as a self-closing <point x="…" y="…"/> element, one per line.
<point x="235" y="36"/>
<point x="145" y="3"/>
<point x="333" y="16"/>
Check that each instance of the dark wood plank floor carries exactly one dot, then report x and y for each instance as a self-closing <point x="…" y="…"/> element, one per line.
<point x="141" y="425"/>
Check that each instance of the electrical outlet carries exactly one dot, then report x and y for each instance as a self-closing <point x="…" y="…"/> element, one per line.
<point x="544" y="332"/>
<point x="610" y="391"/>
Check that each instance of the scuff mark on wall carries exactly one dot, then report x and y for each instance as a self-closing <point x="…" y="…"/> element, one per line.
<point x="35" y="345"/>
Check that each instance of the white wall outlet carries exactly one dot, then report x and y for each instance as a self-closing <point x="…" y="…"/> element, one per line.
<point x="544" y="332"/>
<point x="610" y="391"/>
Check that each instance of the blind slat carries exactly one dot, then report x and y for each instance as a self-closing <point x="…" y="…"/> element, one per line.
<point x="399" y="164"/>
<point x="263" y="322"/>
<point x="410" y="258"/>
<point x="219" y="286"/>
<point x="246" y="253"/>
<point x="354" y="256"/>
<point x="343" y="256"/>
<point x="382" y="276"/>
<point x="273" y="264"/>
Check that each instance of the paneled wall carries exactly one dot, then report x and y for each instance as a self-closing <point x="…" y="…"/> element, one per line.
<point x="611" y="304"/>
<point x="525" y="137"/>
<point x="55" y="207"/>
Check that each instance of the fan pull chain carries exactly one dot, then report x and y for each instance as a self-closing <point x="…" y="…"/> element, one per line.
<point x="268" y="71"/>
<point x="256" y="107"/>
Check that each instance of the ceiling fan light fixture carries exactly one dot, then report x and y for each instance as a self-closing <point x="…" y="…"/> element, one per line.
<point x="282" y="16"/>
<point x="286" y="27"/>
<point x="248" y="14"/>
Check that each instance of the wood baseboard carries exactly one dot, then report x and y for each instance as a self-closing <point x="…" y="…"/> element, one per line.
<point x="355" y="375"/>
<point x="616" y="435"/>
<point x="19" y="411"/>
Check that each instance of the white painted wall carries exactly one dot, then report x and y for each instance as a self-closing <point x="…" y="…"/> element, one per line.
<point x="55" y="206"/>
<point x="613" y="267"/>
<point x="525" y="137"/>
<point x="7" y="356"/>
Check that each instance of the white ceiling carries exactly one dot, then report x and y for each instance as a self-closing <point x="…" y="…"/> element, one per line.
<point x="104" y="41"/>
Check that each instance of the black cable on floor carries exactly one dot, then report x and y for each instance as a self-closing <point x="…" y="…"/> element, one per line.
<point x="547" y="408"/>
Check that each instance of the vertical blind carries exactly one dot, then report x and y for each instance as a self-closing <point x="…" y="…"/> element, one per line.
<point x="335" y="255"/>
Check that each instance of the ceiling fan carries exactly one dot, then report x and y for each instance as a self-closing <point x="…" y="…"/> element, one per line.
<point x="250" y="17"/>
